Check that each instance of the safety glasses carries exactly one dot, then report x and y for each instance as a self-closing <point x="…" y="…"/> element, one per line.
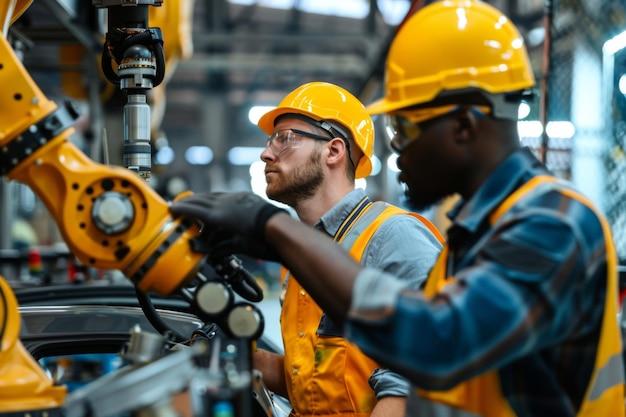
<point x="403" y="127"/>
<point x="284" y="139"/>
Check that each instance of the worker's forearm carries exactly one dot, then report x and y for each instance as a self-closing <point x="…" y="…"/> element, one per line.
<point x="390" y="407"/>
<point x="272" y="368"/>
<point x="323" y="268"/>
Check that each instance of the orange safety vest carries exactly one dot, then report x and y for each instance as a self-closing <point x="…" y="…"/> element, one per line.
<point x="482" y="395"/>
<point x="326" y="375"/>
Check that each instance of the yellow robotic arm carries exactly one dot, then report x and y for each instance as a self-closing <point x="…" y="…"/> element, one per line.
<point x="23" y="383"/>
<point x="108" y="216"/>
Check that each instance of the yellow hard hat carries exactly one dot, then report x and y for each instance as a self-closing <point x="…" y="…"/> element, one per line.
<point x="453" y="45"/>
<point x="326" y="102"/>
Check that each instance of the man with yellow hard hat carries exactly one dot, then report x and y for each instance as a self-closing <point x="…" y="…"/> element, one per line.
<point x="320" y="139"/>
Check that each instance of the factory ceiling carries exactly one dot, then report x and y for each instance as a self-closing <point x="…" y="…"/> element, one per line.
<point x="245" y="53"/>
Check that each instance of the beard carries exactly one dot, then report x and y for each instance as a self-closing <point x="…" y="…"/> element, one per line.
<point x="298" y="185"/>
<point x="419" y="202"/>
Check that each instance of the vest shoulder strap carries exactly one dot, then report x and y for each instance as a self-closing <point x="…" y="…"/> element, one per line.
<point x="380" y="212"/>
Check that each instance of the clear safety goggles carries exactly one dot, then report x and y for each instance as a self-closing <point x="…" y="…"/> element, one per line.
<point x="404" y="127"/>
<point x="284" y="139"/>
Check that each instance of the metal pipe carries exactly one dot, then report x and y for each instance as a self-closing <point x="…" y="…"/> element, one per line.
<point x="545" y="78"/>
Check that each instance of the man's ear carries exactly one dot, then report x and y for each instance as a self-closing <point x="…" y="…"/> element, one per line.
<point x="467" y="125"/>
<point x="336" y="148"/>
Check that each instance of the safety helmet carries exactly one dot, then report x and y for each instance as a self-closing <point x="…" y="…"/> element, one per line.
<point x="453" y="45"/>
<point x="328" y="102"/>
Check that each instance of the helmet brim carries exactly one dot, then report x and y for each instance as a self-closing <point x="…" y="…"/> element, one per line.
<point x="384" y="105"/>
<point x="266" y="122"/>
<point x="364" y="167"/>
<point x="378" y="107"/>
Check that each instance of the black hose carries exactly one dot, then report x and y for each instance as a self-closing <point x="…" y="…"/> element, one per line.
<point x="155" y="319"/>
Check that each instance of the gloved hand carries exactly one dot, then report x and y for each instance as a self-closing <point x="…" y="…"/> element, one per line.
<point x="242" y="213"/>
<point x="222" y="244"/>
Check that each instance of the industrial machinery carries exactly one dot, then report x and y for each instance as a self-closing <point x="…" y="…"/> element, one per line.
<point x="111" y="219"/>
<point x="137" y="50"/>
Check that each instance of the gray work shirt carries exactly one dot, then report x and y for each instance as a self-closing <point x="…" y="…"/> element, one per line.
<point x="402" y="246"/>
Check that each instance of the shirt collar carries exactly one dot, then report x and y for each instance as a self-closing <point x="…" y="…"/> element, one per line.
<point x="333" y="218"/>
<point x="514" y="171"/>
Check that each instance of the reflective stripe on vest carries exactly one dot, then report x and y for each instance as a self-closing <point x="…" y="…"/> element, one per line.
<point x="482" y="395"/>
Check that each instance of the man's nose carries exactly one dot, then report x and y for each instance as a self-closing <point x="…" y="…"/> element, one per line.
<point x="267" y="154"/>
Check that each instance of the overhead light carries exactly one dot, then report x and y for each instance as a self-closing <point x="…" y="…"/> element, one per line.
<point x="272" y="4"/>
<point x="255" y="113"/>
<point x="523" y="111"/>
<point x="536" y="36"/>
<point x="530" y="129"/>
<point x="353" y="9"/>
<point x="555" y="129"/>
<point x="392" y="163"/>
<point x="176" y="185"/>
<point x="393" y="11"/>
<point x="164" y="156"/>
<point x="560" y="130"/>
<point x="376" y="166"/>
<point x="614" y="44"/>
<point x="244" y="155"/>
<point x="199" y="155"/>
<point x="622" y="84"/>
<point x="257" y="178"/>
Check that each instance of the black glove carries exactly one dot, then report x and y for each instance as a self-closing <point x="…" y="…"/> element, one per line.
<point x="241" y="213"/>
<point x="221" y="244"/>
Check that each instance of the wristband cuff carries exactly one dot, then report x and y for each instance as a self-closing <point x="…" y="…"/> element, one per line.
<point x="264" y="215"/>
